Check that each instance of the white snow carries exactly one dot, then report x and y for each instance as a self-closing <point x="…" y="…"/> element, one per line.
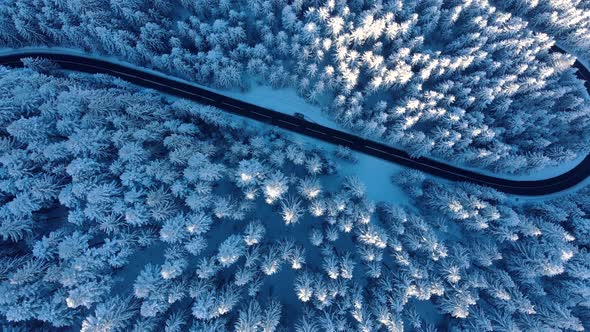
<point x="375" y="174"/>
<point x="284" y="100"/>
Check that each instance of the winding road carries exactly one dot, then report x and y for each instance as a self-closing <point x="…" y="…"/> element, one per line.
<point x="173" y="87"/>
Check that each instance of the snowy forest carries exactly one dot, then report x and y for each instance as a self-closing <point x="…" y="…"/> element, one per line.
<point x="123" y="210"/>
<point x="126" y="209"/>
<point x="460" y="80"/>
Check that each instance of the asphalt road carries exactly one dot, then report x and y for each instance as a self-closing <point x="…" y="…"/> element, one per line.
<point x="301" y="126"/>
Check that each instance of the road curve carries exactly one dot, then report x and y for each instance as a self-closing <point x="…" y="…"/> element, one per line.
<point x="301" y="126"/>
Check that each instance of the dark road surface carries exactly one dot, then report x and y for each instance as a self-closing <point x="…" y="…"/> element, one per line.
<point x="301" y="126"/>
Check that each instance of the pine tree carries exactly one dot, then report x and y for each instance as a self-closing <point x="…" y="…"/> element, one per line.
<point x="304" y="286"/>
<point x="274" y="187"/>
<point x="230" y="250"/>
<point x="291" y="210"/>
<point x="174" y="229"/>
<point x="249" y="318"/>
<point x="254" y="233"/>
<point x="112" y="315"/>
<point x="271" y="316"/>
<point x="176" y="322"/>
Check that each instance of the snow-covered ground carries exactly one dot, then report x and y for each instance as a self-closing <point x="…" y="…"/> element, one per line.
<point x="284" y="100"/>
